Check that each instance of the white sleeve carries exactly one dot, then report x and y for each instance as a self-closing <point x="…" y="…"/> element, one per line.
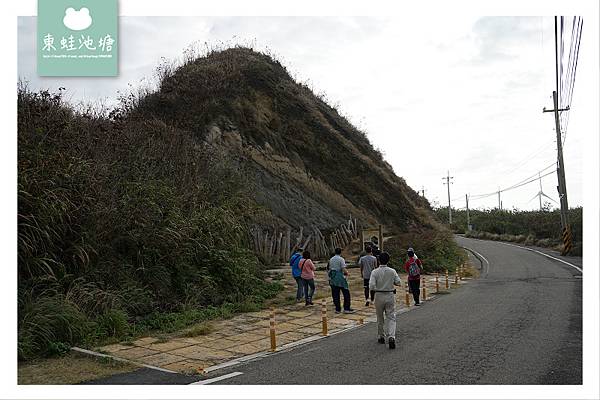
<point x="397" y="280"/>
<point x="372" y="281"/>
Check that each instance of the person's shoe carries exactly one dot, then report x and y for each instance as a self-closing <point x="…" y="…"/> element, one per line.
<point x="417" y="304"/>
<point x="311" y="303"/>
<point x="392" y="343"/>
<point x="381" y="340"/>
<point x="350" y="311"/>
<point x="337" y="311"/>
<point x="367" y="303"/>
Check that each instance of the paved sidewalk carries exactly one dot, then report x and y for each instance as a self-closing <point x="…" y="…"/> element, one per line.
<point x="247" y="334"/>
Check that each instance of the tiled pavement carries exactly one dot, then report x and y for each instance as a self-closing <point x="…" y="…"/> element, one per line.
<point x="248" y="333"/>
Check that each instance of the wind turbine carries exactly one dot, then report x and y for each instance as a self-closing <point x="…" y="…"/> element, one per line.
<point x="541" y="193"/>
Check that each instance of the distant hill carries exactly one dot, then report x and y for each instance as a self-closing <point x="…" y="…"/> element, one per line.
<point x="309" y="165"/>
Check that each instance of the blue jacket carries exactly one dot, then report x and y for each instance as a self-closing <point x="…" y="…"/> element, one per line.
<point x="295" y="263"/>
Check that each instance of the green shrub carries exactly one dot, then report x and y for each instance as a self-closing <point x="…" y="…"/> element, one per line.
<point x="58" y="348"/>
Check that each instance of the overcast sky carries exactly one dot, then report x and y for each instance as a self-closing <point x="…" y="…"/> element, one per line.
<point x="434" y="94"/>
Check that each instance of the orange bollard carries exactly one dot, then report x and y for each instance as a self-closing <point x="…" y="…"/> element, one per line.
<point x="324" y="317"/>
<point x="272" y="329"/>
<point x="437" y="282"/>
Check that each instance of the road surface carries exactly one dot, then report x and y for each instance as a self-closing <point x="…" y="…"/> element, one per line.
<point x="520" y="323"/>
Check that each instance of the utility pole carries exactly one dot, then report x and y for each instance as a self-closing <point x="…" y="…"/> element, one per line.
<point x="468" y="218"/>
<point x="562" y="185"/>
<point x="447" y="178"/>
<point x="499" y="201"/>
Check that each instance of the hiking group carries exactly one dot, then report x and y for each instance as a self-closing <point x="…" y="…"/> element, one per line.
<point x="378" y="280"/>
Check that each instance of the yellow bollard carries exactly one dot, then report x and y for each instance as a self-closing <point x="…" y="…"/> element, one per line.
<point x="437" y="282"/>
<point x="424" y="289"/>
<point x="272" y="329"/>
<point x="324" y="317"/>
<point x="407" y="296"/>
<point x="447" y="283"/>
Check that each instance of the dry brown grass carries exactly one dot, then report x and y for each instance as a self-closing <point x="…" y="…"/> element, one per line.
<point x="70" y="369"/>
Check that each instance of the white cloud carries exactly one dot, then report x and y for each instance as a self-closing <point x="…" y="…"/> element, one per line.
<point x="77" y="20"/>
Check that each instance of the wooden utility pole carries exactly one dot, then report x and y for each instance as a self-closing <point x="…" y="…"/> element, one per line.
<point x="447" y="178"/>
<point x="562" y="185"/>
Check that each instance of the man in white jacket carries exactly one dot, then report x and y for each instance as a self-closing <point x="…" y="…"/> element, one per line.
<point x="382" y="282"/>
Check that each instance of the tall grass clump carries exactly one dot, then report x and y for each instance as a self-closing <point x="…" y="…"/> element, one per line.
<point x="121" y="218"/>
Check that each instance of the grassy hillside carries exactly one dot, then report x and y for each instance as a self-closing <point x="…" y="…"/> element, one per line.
<point x="306" y="156"/>
<point x="139" y="220"/>
<point x="119" y="222"/>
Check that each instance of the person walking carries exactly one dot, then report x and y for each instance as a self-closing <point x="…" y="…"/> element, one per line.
<point x="367" y="264"/>
<point x="307" y="273"/>
<point x="413" y="268"/>
<point x="382" y="284"/>
<point x="294" y="263"/>
<point x="337" y="280"/>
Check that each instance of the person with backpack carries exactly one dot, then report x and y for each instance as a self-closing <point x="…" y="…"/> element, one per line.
<point x="382" y="282"/>
<point x="336" y="270"/>
<point x="367" y="264"/>
<point x="307" y="273"/>
<point x="294" y="263"/>
<point x="413" y="268"/>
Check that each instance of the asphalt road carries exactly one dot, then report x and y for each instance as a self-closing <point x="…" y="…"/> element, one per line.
<point x="520" y="323"/>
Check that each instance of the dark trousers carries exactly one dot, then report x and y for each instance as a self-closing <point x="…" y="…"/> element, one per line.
<point x="367" y="292"/>
<point x="415" y="289"/>
<point x="300" y="290"/>
<point x="335" y="293"/>
<point x="308" y="294"/>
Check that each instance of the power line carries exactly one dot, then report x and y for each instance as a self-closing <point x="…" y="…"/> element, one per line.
<point x="514" y="186"/>
<point x="571" y="73"/>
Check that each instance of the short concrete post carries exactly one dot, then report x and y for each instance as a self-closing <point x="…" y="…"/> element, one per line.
<point x="424" y="282"/>
<point x="272" y="329"/>
<point x="462" y="271"/>
<point x="324" y="317"/>
<point x="456" y="276"/>
<point x="437" y="282"/>
<point x="406" y="296"/>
